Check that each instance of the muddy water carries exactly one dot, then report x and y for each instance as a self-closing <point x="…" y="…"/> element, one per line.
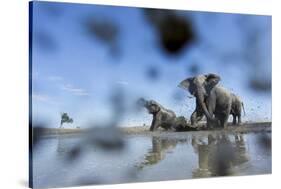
<point x="151" y="158"/>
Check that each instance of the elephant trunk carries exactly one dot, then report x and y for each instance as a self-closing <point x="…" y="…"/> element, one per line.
<point x="203" y="106"/>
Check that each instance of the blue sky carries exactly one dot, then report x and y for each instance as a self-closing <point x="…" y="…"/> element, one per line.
<point x="75" y="72"/>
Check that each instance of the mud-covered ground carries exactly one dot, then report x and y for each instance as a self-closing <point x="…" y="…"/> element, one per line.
<point x="244" y="128"/>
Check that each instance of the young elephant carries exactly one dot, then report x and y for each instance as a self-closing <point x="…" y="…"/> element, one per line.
<point x="211" y="100"/>
<point x="162" y="117"/>
<point x="236" y="106"/>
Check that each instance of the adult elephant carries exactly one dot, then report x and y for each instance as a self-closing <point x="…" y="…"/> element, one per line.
<point x="211" y="99"/>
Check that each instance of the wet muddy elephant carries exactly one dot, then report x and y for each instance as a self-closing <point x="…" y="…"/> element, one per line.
<point x="236" y="111"/>
<point x="212" y="101"/>
<point x="162" y="117"/>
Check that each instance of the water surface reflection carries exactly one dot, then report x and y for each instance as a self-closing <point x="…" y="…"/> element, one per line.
<point x="61" y="162"/>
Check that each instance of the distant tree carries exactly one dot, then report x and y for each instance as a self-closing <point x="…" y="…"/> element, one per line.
<point x="65" y="119"/>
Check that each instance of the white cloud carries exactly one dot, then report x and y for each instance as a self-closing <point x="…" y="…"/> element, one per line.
<point x="74" y="90"/>
<point x="55" y="78"/>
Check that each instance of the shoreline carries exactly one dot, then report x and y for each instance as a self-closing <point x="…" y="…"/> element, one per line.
<point x="144" y="130"/>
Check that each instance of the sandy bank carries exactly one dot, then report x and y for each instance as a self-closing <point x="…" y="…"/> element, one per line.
<point x="144" y="130"/>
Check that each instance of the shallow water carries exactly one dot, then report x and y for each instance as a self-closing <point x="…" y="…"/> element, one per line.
<point x="150" y="158"/>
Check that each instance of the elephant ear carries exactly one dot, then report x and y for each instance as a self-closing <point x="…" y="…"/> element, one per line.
<point x="212" y="80"/>
<point x="185" y="84"/>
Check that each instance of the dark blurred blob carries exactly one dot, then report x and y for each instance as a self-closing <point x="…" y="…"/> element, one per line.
<point x="264" y="141"/>
<point x="138" y="105"/>
<point x="53" y="11"/>
<point x="141" y="102"/>
<point x="174" y="32"/>
<point x="115" y="51"/>
<point x="88" y="180"/>
<point x="96" y="138"/>
<point x="37" y="134"/>
<point x="153" y="73"/>
<point x="74" y="153"/>
<point x="117" y="99"/>
<point x="260" y="84"/>
<point x="194" y="69"/>
<point x="45" y="41"/>
<point x="106" y="138"/>
<point x="106" y="31"/>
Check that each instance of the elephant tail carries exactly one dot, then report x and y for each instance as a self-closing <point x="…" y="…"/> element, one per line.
<point x="243" y="108"/>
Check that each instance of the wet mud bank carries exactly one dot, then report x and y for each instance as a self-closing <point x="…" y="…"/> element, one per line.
<point x="244" y="128"/>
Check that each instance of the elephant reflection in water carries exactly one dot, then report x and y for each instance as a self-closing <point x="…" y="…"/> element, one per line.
<point x="160" y="146"/>
<point x="68" y="148"/>
<point x="241" y="151"/>
<point x="219" y="155"/>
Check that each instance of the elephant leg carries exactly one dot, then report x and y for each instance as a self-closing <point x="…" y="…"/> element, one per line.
<point x="225" y="116"/>
<point x="223" y="120"/>
<point x="156" y="126"/>
<point x="234" y="119"/>
<point x="217" y="121"/>
<point x="211" y="123"/>
<point x="239" y="119"/>
<point x="152" y="127"/>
